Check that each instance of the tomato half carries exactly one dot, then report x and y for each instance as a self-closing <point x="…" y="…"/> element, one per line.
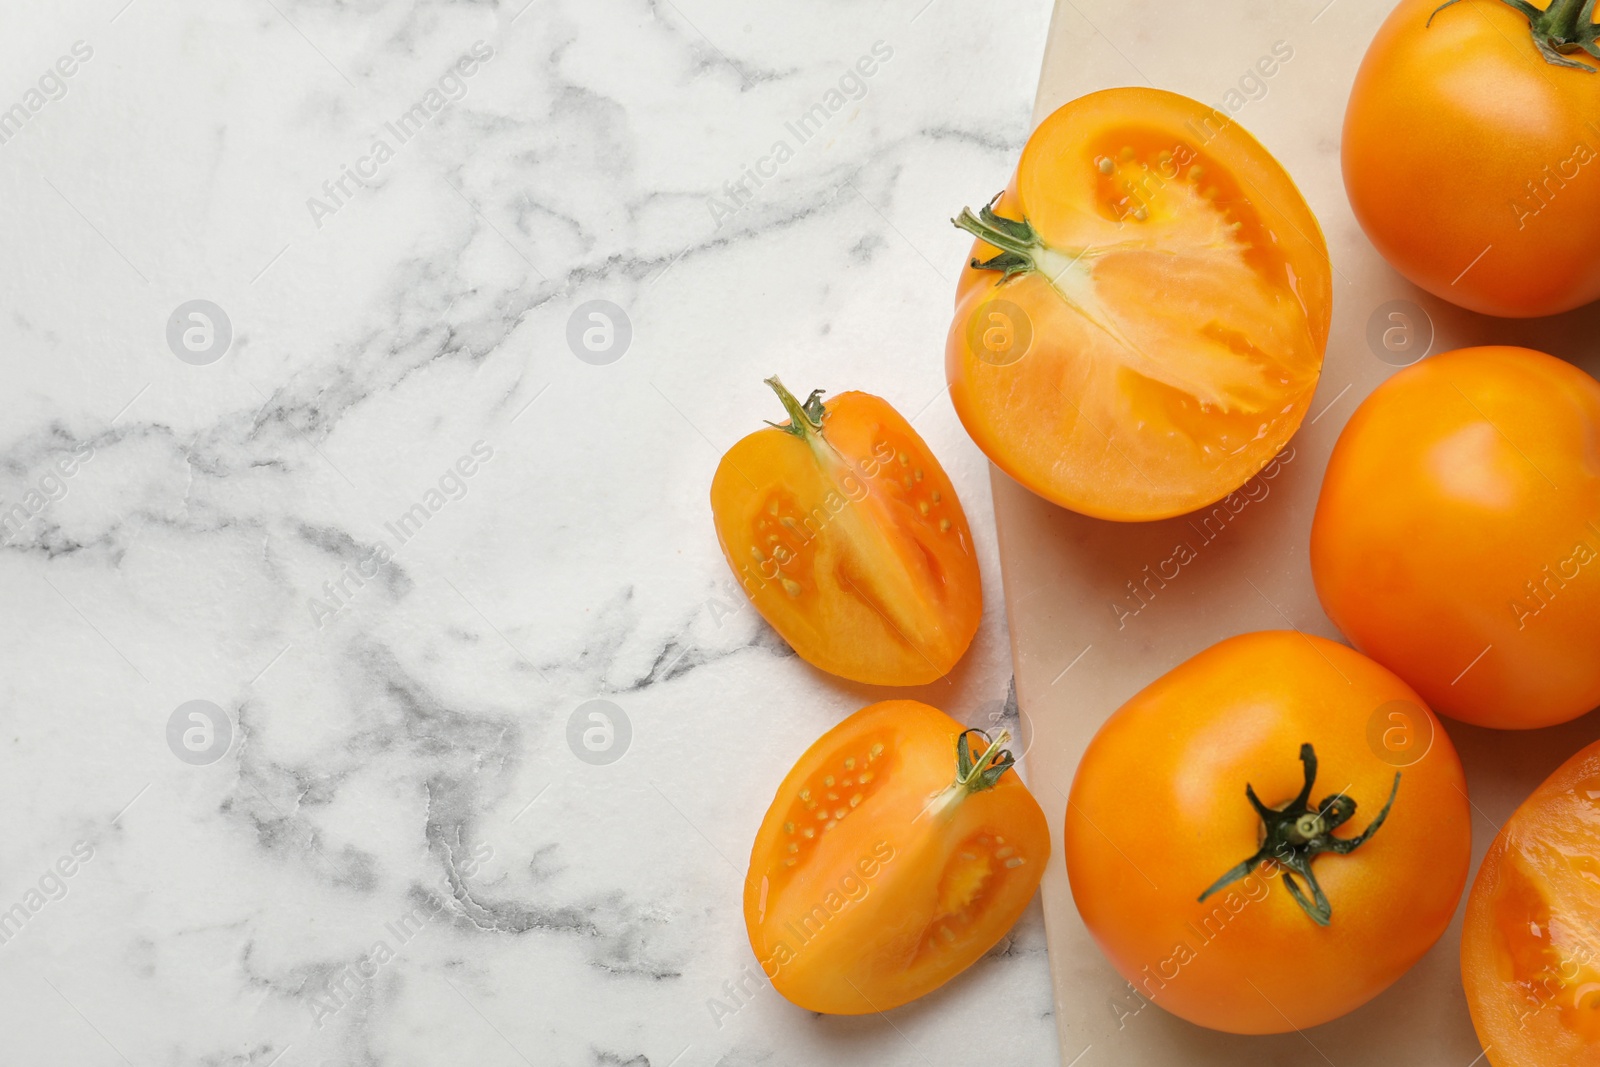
<point x="1472" y="161"/>
<point x="1530" y="946"/>
<point x="1159" y="814"/>
<point x="1457" y="537"/>
<point x="847" y="536"/>
<point x="1143" y="322"/>
<point x="893" y="856"/>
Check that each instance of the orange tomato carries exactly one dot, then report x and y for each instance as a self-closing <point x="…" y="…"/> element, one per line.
<point x="893" y="856"/>
<point x="1471" y="160"/>
<point x="1530" y="946"/>
<point x="847" y="536"/>
<point x="1142" y="324"/>
<point x="1457" y="537"/>
<point x="1362" y="815"/>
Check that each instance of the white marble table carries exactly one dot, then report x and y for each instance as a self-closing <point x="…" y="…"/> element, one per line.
<point x="368" y="507"/>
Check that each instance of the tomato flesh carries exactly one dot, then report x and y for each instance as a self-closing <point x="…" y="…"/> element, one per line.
<point x="1174" y="327"/>
<point x="1530" y="950"/>
<point x="852" y="544"/>
<point x="863" y="891"/>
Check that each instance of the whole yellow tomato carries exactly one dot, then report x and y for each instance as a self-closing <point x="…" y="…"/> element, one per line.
<point x="846" y="534"/>
<point x="1471" y="157"/>
<point x="1457" y="537"/>
<point x="1142" y="324"/>
<point x="894" y="855"/>
<point x="1270" y="757"/>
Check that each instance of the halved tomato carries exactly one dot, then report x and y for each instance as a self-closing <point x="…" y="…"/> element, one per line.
<point x="1142" y="324"/>
<point x="1530" y="945"/>
<point x="894" y="855"/>
<point x="847" y="536"/>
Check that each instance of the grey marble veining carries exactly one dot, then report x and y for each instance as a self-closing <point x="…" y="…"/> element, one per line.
<point x="370" y="509"/>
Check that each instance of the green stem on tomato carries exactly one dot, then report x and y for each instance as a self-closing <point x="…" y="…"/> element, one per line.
<point x="1565" y="27"/>
<point x="974" y="775"/>
<point x="805" y="420"/>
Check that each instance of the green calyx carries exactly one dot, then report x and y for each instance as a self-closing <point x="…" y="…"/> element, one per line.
<point x="1018" y="241"/>
<point x="974" y="776"/>
<point x="805" y="420"/>
<point x="1562" y="29"/>
<point x="1297" y="833"/>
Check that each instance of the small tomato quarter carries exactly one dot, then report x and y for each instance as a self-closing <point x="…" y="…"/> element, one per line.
<point x="847" y="536"/>
<point x="893" y="856"/>
<point x="1457" y="537"/>
<point x="1268" y="758"/>
<point x="1142" y="325"/>
<point x="1530" y="951"/>
<point x="1472" y="161"/>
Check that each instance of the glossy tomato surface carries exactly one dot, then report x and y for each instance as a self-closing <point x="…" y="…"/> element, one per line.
<point x="1457" y="536"/>
<point x="1163" y="334"/>
<point x="1472" y="163"/>
<point x="1530" y="946"/>
<point x="872" y="882"/>
<point x="1158" y="813"/>
<point x="848" y="538"/>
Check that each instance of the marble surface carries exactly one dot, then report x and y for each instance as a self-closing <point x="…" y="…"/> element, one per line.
<point x="310" y="584"/>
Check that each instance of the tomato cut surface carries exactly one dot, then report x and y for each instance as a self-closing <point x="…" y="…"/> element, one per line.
<point x="877" y="875"/>
<point x="1147" y="325"/>
<point x="846" y="534"/>
<point x="1530" y="946"/>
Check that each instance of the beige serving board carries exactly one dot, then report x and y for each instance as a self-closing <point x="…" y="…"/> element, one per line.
<point x="1082" y="645"/>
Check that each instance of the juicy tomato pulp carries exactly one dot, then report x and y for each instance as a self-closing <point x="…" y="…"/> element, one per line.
<point x="1457" y="537"/>
<point x="1158" y="815"/>
<point x="1530" y="950"/>
<point x="847" y="536"/>
<point x="1153" y="330"/>
<point x="876" y="876"/>
<point x="1471" y="161"/>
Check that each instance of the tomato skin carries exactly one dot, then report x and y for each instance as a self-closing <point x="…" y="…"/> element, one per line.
<point x="1459" y="138"/>
<point x="852" y="544"/>
<point x="1158" y="812"/>
<point x="1172" y="344"/>
<point x="1460" y="517"/>
<point x="1530" y="951"/>
<point x="889" y="897"/>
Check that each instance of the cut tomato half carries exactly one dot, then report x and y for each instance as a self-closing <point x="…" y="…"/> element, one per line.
<point x="1142" y="325"/>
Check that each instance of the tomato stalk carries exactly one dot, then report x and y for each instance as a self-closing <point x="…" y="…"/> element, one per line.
<point x="1021" y="247"/>
<point x="1565" y="27"/>
<point x="974" y="776"/>
<point x="1296" y="833"/>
